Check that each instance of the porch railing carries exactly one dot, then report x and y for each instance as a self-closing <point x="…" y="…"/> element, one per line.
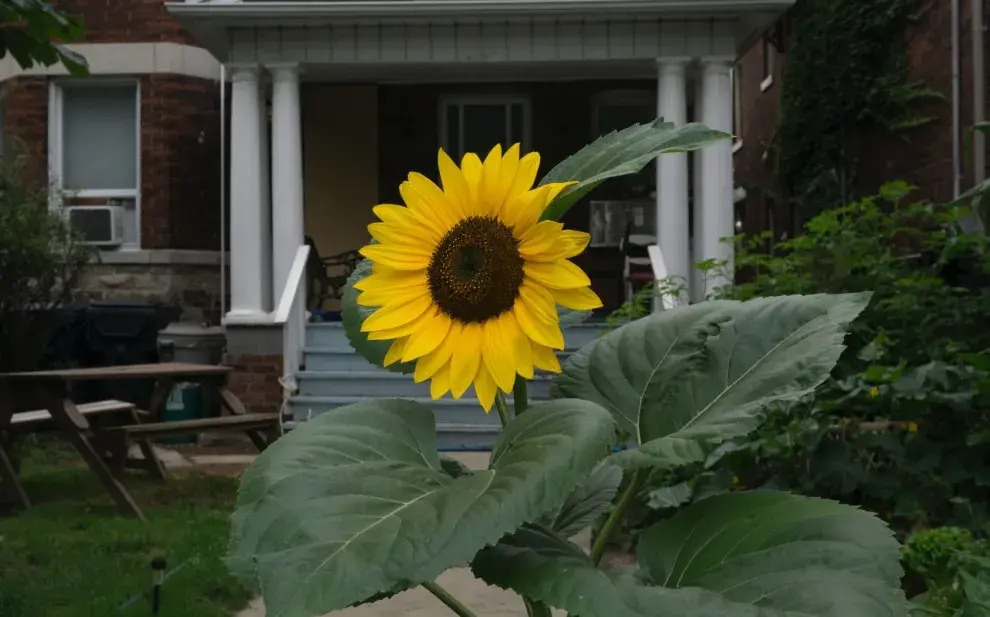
<point x="291" y="315"/>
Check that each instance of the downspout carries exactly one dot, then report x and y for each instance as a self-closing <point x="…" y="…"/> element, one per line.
<point x="223" y="190"/>
<point x="979" y="93"/>
<point x="956" y="162"/>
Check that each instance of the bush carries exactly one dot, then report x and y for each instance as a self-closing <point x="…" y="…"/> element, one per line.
<point x="40" y="262"/>
<point x="955" y="568"/>
<point x="901" y="428"/>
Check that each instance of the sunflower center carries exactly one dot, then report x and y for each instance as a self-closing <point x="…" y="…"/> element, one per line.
<point x="476" y="270"/>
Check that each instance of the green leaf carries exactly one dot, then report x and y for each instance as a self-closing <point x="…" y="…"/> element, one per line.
<point x="353" y="315"/>
<point x="587" y="502"/>
<point x="799" y="555"/>
<point x="633" y="370"/>
<point x="670" y="496"/>
<point x="745" y="554"/>
<point x="542" y="566"/>
<point x="354" y="503"/>
<point x="620" y="154"/>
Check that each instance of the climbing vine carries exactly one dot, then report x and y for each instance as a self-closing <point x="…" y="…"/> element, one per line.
<point x="846" y="70"/>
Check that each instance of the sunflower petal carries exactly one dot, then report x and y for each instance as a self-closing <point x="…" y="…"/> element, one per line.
<point x="415" y="236"/>
<point x="522" y="211"/>
<point x="525" y="174"/>
<point x="466" y="359"/>
<point x="404" y="217"/>
<point x="395" y="315"/>
<point x="428" y="365"/>
<point x="560" y="274"/>
<point x="537" y="330"/>
<point x="540" y="239"/>
<point x="455" y="186"/>
<point x="490" y="193"/>
<point x="398" y="295"/>
<point x="510" y="165"/>
<point x="403" y="330"/>
<point x="394" y="352"/>
<point x="578" y="298"/>
<point x="518" y="342"/>
<point x="391" y="279"/>
<point x="484" y="388"/>
<point x="428" y="200"/>
<point x="440" y="384"/>
<point x="575" y="242"/>
<point x="545" y="358"/>
<point x="497" y="354"/>
<point x="427" y="337"/>
<point x="397" y="257"/>
<point x="539" y="301"/>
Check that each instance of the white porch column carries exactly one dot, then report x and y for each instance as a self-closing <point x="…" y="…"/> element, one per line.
<point x="714" y="209"/>
<point x="247" y="207"/>
<point x="672" y="174"/>
<point x="287" y="173"/>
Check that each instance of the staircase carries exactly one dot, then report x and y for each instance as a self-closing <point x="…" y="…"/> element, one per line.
<point x="334" y="375"/>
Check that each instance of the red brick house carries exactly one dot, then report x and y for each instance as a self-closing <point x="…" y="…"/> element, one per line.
<point x="937" y="157"/>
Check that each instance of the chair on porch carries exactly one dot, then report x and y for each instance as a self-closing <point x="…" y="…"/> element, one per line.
<point x="637" y="269"/>
<point x="327" y="276"/>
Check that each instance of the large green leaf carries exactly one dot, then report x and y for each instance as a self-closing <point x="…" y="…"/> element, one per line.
<point x="799" y="555"/>
<point x="353" y="315"/>
<point x="354" y="502"/>
<point x="620" y="154"/>
<point x="589" y="500"/>
<point x="633" y="370"/>
<point x="745" y="554"/>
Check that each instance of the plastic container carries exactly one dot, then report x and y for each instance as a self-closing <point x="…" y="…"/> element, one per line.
<point x="185" y="403"/>
<point x="192" y="343"/>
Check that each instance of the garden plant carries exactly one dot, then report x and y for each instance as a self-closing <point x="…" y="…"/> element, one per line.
<point x="468" y="284"/>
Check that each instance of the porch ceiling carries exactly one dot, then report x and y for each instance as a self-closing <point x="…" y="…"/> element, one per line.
<point x="216" y="23"/>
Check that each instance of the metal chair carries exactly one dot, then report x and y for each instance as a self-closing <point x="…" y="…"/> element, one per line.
<point x="327" y="276"/>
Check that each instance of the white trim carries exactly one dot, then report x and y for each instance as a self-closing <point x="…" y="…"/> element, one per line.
<point x="737" y="145"/>
<point x="505" y="100"/>
<point x="129" y="59"/>
<point x="56" y="107"/>
<point x="766" y="83"/>
<point x="769" y="64"/>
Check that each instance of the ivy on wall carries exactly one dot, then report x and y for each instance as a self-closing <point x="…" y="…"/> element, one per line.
<point x="846" y="69"/>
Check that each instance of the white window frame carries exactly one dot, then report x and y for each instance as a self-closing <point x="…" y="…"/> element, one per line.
<point x="769" y="64"/>
<point x="56" y="106"/>
<point x="508" y="100"/>
<point x="736" y="76"/>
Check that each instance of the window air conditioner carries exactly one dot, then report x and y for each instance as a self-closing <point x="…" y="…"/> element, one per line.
<point x="98" y="225"/>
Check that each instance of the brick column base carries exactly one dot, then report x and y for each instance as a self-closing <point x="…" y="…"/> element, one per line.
<point x="255" y="353"/>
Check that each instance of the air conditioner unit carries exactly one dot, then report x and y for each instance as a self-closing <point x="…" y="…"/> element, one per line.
<point x="98" y="225"/>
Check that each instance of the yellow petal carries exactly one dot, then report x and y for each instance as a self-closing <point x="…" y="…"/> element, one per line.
<point x="394" y="352"/>
<point x="545" y="358"/>
<point x="522" y="211"/>
<point x="539" y="301"/>
<point x="395" y="315"/>
<point x="560" y="274"/>
<point x="578" y="299"/>
<point x="510" y="165"/>
<point x="415" y="236"/>
<point x="497" y="354"/>
<point x="518" y="342"/>
<point x="428" y="365"/>
<point x="403" y="330"/>
<point x="525" y="175"/>
<point x="543" y="333"/>
<point x="541" y="238"/>
<point x="575" y="242"/>
<point x="455" y="187"/>
<point x="426" y="199"/>
<point x="402" y="216"/>
<point x="391" y="279"/>
<point x="397" y="257"/>
<point x="427" y="338"/>
<point x="440" y="384"/>
<point x="490" y="193"/>
<point x="398" y="295"/>
<point x="484" y="388"/>
<point x="465" y="359"/>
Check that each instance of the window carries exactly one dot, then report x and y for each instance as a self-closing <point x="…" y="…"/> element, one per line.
<point x="769" y="60"/>
<point x="476" y="125"/>
<point x="616" y="110"/>
<point x="94" y="145"/>
<point x="737" y="109"/>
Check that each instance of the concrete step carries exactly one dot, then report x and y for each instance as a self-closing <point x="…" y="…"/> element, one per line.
<point x="379" y="383"/>
<point x="322" y="359"/>
<point x="456" y="437"/>
<point x="332" y="336"/>
<point x="467" y="410"/>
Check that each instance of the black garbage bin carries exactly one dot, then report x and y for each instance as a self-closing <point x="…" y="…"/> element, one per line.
<point x="124" y="332"/>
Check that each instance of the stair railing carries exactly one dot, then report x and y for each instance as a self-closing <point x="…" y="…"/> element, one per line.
<point x="291" y="315"/>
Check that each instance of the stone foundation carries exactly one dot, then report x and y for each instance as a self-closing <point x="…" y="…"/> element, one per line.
<point x="177" y="278"/>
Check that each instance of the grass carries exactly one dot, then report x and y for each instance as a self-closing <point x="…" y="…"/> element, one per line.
<point x="72" y="555"/>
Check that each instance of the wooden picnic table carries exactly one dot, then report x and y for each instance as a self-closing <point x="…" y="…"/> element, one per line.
<point x="49" y="390"/>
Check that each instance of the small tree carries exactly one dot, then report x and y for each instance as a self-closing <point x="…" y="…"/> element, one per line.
<point x="34" y="32"/>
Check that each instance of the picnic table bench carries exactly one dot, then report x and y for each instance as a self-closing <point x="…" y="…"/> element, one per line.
<point x="42" y="398"/>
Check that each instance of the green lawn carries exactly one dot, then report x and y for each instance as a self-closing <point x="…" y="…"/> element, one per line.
<point x="71" y="555"/>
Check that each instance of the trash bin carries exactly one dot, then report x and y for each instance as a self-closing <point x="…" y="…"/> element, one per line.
<point x="193" y="343"/>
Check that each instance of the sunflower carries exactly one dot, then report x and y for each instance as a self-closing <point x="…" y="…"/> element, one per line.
<point x="466" y="278"/>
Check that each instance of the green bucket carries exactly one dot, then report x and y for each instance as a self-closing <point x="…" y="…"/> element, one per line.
<point x="185" y="403"/>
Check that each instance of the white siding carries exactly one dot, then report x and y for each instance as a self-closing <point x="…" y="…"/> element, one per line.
<point x="486" y="42"/>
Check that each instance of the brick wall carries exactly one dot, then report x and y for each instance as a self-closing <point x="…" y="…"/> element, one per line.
<point x="26" y="124"/>
<point x="126" y="21"/>
<point x="255" y="381"/>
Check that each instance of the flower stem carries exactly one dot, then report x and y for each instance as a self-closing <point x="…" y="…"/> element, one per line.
<point x="503" y="408"/>
<point x="520" y="395"/>
<point x="625" y="500"/>
<point x="444" y="596"/>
